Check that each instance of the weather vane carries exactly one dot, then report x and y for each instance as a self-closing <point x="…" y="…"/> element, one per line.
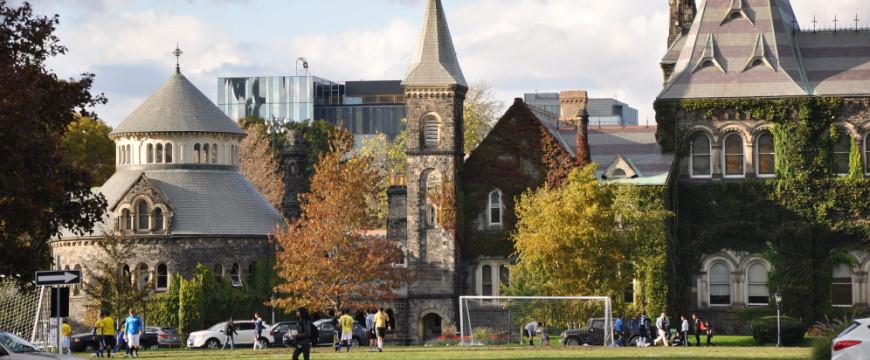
<point x="177" y="54"/>
<point x="814" y="23"/>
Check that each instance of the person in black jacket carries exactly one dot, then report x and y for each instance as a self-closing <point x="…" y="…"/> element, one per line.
<point x="302" y="336"/>
<point x="230" y="332"/>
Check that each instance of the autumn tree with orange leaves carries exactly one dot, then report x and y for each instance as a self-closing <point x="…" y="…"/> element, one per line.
<point x="258" y="163"/>
<point x="325" y="259"/>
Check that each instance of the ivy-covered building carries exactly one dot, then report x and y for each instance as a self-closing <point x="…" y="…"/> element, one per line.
<point x="770" y="126"/>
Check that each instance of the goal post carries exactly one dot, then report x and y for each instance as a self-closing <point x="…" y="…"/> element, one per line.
<point x="485" y="320"/>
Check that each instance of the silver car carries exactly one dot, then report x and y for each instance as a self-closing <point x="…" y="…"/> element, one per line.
<point x="14" y="348"/>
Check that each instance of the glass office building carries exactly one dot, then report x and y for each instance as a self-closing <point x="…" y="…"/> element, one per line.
<point x="602" y="112"/>
<point x="363" y="107"/>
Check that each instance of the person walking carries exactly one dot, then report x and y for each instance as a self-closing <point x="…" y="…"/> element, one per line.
<point x="258" y="331"/>
<point x="346" y="323"/>
<point x="133" y="331"/>
<point x="230" y="332"/>
<point x="98" y="335"/>
<point x="531" y="330"/>
<point x="381" y="321"/>
<point x="684" y="330"/>
<point x="302" y="337"/>
<point x="370" y="329"/>
<point x="697" y="327"/>
<point x="65" y="331"/>
<point x="709" y="330"/>
<point x="107" y="332"/>
<point x="644" y="326"/>
<point x="662" y="326"/>
<point x="617" y="332"/>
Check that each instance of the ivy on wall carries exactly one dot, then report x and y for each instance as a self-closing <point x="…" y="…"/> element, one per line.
<point x="803" y="220"/>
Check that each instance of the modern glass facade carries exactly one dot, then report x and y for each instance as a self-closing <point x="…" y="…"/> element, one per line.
<point x="363" y="107"/>
<point x="602" y="112"/>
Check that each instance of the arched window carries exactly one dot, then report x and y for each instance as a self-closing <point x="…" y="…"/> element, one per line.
<point x="758" y="293"/>
<point x="214" y="153"/>
<point x="128" y="154"/>
<point x="142" y="276"/>
<point x="158" y="219"/>
<point x="205" y="154"/>
<point x="120" y="155"/>
<point x="159" y="155"/>
<point x="127" y="218"/>
<point x="841" y="285"/>
<point x="77" y="288"/>
<point x="765" y="156"/>
<point x="699" y="159"/>
<point x="149" y="153"/>
<point x="431" y="132"/>
<point x="143" y="215"/>
<point x="841" y="154"/>
<point x="720" y="284"/>
<point x="235" y="275"/>
<point x="196" y="153"/>
<point x="169" y="153"/>
<point x="218" y="272"/>
<point x="125" y="273"/>
<point x="486" y="280"/>
<point x="733" y="156"/>
<point x="504" y="275"/>
<point x="162" y="277"/>
<point x="431" y="216"/>
<point x="495" y="207"/>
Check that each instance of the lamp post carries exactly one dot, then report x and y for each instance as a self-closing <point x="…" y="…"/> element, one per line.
<point x="778" y="298"/>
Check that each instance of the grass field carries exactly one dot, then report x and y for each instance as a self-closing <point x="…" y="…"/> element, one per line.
<point x="737" y="348"/>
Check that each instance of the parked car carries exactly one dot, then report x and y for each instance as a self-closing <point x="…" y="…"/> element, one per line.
<point x="214" y="336"/>
<point x="591" y="334"/>
<point x="153" y="337"/>
<point x="853" y="343"/>
<point x="277" y="331"/>
<point x="15" y="348"/>
<point x="165" y="336"/>
<point x="327" y="331"/>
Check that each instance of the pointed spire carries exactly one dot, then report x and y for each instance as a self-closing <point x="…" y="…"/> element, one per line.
<point x="435" y="62"/>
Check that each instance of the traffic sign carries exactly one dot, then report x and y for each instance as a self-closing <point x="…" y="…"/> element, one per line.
<point x="60" y="277"/>
<point x="60" y="302"/>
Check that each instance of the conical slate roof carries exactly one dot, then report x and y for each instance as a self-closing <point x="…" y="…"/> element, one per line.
<point x="435" y="61"/>
<point x="178" y="106"/>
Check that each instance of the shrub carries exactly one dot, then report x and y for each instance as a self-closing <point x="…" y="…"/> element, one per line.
<point x="764" y="330"/>
<point x="481" y="335"/>
<point x="828" y="330"/>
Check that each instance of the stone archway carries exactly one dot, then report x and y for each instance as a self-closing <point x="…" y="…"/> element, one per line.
<point x="430" y="326"/>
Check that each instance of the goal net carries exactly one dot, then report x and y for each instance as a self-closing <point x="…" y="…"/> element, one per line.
<point x="561" y="320"/>
<point x="24" y="312"/>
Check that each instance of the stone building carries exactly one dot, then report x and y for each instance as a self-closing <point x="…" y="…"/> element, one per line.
<point x="178" y="193"/>
<point x="754" y="49"/>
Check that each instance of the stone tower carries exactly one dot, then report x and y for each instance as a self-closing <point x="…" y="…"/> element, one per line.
<point x="682" y="13"/>
<point x="435" y="90"/>
<point x="293" y="156"/>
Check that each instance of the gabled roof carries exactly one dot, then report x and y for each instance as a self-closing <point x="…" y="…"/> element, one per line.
<point x="733" y="29"/>
<point x="837" y="63"/>
<point x="435" y="62"/>
<point x="178" y="106"/>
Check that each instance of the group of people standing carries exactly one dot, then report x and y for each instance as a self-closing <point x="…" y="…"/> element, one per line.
<point x="110" y="339"/>
<point x="681" y="338"/>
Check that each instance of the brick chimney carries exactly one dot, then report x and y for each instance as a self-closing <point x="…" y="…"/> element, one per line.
<point x="573" y="110"/>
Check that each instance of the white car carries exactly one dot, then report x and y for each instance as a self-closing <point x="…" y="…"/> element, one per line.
<point x="854" y="342"/>
<point x="214" y="337"/>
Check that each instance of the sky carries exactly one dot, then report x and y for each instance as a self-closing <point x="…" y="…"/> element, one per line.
<point x="611" y="48"/>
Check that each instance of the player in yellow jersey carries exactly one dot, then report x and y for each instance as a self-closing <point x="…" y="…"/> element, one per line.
<point x="106" y="328"/>
<point x="65" y="331"/>
<point x="381" y="321"/>
<point x="346" y="323"/>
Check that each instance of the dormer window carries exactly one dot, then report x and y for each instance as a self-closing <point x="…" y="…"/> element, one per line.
<point x="158" y="219"/>
<point x="196" y="153"/>
<point x="143" y="216"/>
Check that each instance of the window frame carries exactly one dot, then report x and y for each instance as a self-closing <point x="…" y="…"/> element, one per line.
<point x="850" y="284"/>
<point x="236" y="275"/>
<point x="158" y="153"/>
<point x="710" y="284"/>
<point x="162" y="276"/>
<point x="167" y="153"/>
<point x="866" y="154"/>
<point x="725" y="156"/>
<point x="758" y="154"/>
<point x="140" y="215"/>
<point x="158" y="221"/>
<point x="483" y="282"/>
<point x="149" y="153"/>
<point x="709" y="155"/>
<point x="749" y="283"/>
<point x="196" y="153"/>
<point x="847" y="153"/>
<point x="499" y="207"/>
<point x="142" y="283"/>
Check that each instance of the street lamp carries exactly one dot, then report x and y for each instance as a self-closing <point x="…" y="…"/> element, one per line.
<point x="778" y="297"/>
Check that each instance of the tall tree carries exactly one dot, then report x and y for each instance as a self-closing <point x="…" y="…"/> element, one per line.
<point x="567" y="240"/>
<point x="111" y="285"/>
<point x="41" y="189"/>
<point x="86" y="143"/>
<point x="259" y="164"/>
<point x="326" y="260"/>
<point x="390" y="162"/>
<point x="480" y="112"/>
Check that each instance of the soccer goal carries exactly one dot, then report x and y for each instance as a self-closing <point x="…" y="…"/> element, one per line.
<point x="562" y="320"/>
<point x="23" y="312"/>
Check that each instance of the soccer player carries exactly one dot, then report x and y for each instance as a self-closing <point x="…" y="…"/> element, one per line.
<point x="133" y="330"/>
<point x="381" y="321"/>
<point x="346" y="323"/>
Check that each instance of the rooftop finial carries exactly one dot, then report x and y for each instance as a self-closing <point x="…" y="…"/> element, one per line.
<point x="177" y="54"/>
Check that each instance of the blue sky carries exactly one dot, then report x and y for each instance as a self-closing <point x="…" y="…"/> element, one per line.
<point x="609" y="47"/>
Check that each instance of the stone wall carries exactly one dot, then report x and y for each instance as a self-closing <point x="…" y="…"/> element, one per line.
<point x="181" y="254"/>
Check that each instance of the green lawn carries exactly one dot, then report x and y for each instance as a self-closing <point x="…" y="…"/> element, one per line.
<point x="515" y="352"/>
